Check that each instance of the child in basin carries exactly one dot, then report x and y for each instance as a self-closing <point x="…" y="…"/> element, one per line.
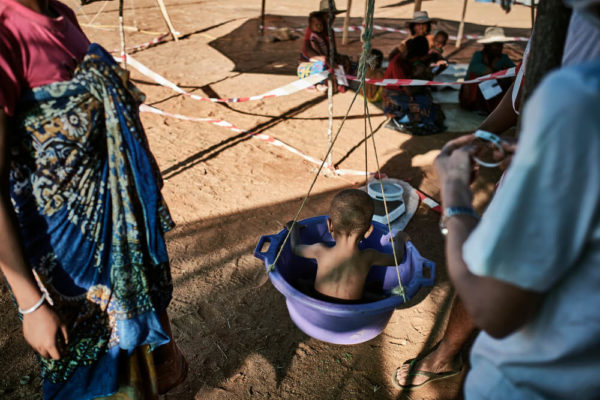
<point x="342" y="269"/>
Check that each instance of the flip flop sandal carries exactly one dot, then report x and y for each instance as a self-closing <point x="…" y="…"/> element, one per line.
<point x="432" y="376"/>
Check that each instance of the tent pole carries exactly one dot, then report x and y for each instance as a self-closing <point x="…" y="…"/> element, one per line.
<point x="461" y="27"/>
<point x="262" y="18"/>
<point x="122" y="35"/>
<point x="163" y="10"/>
<point x="346" y="22"/>
<point x="417" y="5"/>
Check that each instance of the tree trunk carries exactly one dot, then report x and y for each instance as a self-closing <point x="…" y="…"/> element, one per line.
<point x="547" y="44"/>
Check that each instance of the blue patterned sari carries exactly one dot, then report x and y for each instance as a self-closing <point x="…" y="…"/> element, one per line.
<point x="86" y="191"/>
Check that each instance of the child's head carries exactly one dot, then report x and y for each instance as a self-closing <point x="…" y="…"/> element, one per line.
<point x="351" y="212"/>
<point x="417" y="47"/>
<point x="315" y="22"/>
<point x="376" y="58"/>
<point x="440" y="39"/>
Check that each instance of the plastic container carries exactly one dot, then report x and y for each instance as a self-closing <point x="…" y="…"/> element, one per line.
<point x="342" y="323"/>
<point x="394" y="196"/>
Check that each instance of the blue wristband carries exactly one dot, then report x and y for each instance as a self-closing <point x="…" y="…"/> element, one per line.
<point x="450" y="212"/>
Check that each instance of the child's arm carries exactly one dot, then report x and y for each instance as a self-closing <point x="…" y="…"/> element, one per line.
<point x="380" y="258"/>
<point x="302" y="250"/>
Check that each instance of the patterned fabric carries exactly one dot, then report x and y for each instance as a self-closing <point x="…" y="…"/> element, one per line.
<point x="306" y="69"/>
<point x="417" y="114"/>
<point x="86" y="191"/>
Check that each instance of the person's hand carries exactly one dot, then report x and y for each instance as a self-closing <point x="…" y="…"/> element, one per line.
<point x="44" y="331"/>
<point x="318" y="58"/>
<point x="509" y="145"/>
<point x="454" y="161"/>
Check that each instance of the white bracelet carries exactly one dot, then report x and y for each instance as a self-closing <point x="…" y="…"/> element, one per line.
<point x="35" y="306"/>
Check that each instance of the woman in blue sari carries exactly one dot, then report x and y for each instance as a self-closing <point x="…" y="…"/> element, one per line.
<point x="81" y="215"/>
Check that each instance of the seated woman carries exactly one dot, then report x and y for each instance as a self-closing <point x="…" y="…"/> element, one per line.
<point x="489" y="60"/>
<point x="412" y="109"/>
<point x="419" y="25"/>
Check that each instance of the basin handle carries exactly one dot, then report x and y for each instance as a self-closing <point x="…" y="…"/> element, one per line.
<point x="430" y="265"/>
<point x="274" y="242"/>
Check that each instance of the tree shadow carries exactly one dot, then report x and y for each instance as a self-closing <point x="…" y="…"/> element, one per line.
<point x="249" y="54"/>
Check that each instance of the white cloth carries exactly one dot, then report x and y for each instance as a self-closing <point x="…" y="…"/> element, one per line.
<point x="520" y="77"/>
<point x="542" y="232"/>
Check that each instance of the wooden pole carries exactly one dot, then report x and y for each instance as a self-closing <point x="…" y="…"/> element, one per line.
<point x="417" y="5"/>
<point x="262" y="18"/>
<point x="346" y="23"/>
<point x="532" y="14"/>
<point x="163" y="10"/>
<point x="122" y="35"/>
<point x="547" y="44"/>
<point x="461" y="27"/>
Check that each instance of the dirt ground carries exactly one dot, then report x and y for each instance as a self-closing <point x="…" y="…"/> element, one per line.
<point x="226" y="189"/>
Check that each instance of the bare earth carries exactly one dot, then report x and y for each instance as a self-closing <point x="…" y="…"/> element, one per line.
<point x="226" y="189"/>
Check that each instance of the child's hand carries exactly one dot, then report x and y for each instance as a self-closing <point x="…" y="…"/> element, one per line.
<point x="42" y="329"/>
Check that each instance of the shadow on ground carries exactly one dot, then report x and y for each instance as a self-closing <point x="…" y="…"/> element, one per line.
<point x="249" y="54"/>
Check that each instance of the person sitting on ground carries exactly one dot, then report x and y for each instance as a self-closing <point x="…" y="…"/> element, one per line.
<point x="412" y="109"/>
<point x="419" y="25"/>
<point x="374" y="71"/>
<point x="315" y="54"/>
<point x="315" y="46"/>
<point x="436" y="59"/>
<point x="486" y="61"/>
<point x="342" y="269"/>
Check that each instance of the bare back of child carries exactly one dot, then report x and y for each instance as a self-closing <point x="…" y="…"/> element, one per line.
<point x="342" y="269"/>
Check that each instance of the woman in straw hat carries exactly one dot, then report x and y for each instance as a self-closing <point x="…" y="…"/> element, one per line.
<point x="419" y="25"/>
<point x="486" y="61"/>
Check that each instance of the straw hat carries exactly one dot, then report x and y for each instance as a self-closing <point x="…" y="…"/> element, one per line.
<point x="494" y="34"/>
<point x="324" y="7"/>
<point x="421" y="17"/>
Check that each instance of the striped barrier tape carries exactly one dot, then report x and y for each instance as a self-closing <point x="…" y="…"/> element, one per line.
<point x="507" y="73"/>
<point x="359" y="28"/>
<point x="288" y="89"/>
<point x="278" y="143"/>
<point x="305" y="83"/>
<point x="153" y="42"/>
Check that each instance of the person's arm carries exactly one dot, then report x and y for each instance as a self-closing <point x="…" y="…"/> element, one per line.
<point x="299" y="249"/>
<point x="502" y="117"/>
<point x="41" y="327"/>
<point x="497" y="307"/>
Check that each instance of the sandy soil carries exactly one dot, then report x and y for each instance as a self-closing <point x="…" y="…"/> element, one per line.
<point x="226" y="189"/>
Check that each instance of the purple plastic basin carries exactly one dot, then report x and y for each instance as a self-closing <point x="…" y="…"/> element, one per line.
<point x="341" y="323"/>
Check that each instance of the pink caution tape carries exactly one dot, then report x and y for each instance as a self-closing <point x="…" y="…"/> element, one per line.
<point x="507" y="73"/>
<point x="153" y="42"/>
<point x="305" y="83"/>
<point x="288" y="89"/>
<point x="276" y="142"/>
